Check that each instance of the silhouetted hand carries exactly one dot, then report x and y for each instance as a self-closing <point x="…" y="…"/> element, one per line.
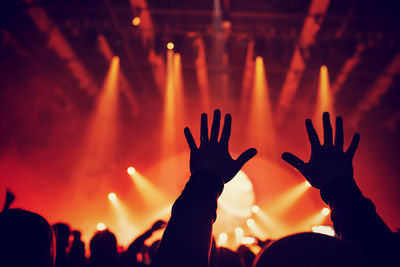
<point x="213" y="155"/>
<point x="9" y="200"/>
<point x="160" y="224"/>
<point x="328" y="161"/>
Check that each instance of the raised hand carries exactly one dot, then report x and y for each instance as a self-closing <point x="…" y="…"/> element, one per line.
<point x="328" y="161"/>
<point x="213" y="155"/>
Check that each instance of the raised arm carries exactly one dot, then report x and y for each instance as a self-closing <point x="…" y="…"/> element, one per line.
<point x="187" y="238"/>
<point x="330" y="169"/>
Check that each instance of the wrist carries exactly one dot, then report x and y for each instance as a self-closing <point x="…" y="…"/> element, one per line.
<point x="340" y="190"/>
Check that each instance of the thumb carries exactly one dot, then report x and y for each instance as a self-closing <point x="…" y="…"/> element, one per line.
<point x="293" y="160"/>
<point x="245" y="157"/>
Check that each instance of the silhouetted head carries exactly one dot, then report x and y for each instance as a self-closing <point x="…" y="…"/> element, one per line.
<point x="311" y="250"/>
<point x="62" y="233"/>
<point x="103" y="248"/>
<point x="76" y="234"/>
<point x="227" y="257"/>
<point x="26" y="239"/>
<point x="246" y="254"/>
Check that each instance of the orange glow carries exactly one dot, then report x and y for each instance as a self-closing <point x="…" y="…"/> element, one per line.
<point x="178" y="83"/>
<point x="130" y="170"/>
<point x="289" y="198"/>
<point x="170" y="46"/>
<point x="325" y="211"/>
<point x="261" y="120"/>
<point x="324" y="99"/>
<point x="112" y="196"/>
<point x="101" y="226"/>
<point x="136" y="21"/>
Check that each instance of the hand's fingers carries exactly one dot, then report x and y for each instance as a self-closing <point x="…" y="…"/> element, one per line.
<point x="215" y="126"/>
<point x="312" y="134"/>
<point x="339" y="134"/>
<point x="226" y="131"/>
<point x="190" y="139"/>
<point x="353" y="145"/>
<point x="245" y="157"/>
<point x="203" y="130"/>
<point x="293" y="160"/>
<point x="328" y="140"/>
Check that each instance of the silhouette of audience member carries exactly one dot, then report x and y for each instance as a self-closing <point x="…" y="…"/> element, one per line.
<point x="77" y="251"/>
<point x="227" y="257"/>
<point x="247" y="255"/>
<point x="9" y="200"/>
<point x="103" y="250"/>
<point x="62" y="233"/>
<point x="187" y="237"/>
<point x="130" y="256"/>
<point x="26" y="239"/>
<point x="309" y="250"/>
<point x="354" y="217"/>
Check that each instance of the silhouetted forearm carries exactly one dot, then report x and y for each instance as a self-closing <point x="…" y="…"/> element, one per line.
<point x="187" y="238"/>
<point x="355" y="218"/>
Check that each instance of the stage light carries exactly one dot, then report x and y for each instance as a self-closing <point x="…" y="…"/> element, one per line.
<point x="222" y="238"/>
<point x="239" y="231"/>
<point x="307" y="183"/>
<point x="248" y="240"/>
<point x="325" y="211"/>
<point x="250" y="222"/>
<point x="136" y="21"/>
<point x="323" y="229"/>
<point x="131" y="171"/>
<point x="170" y="46"/>
<point x="112" y="196"/>
<point x="255" y="209"/>
<point x="101" y="226"/>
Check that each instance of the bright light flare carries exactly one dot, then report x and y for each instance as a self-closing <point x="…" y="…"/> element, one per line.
<point x="222" y="239"/>
<point x="248" y="240"/>
<point x="325" y="211"/>
<point x="112" y="196"/>
<point x="250" y="222"/>
<point x="255" y="209"/>
<point x="323" y="229"/>
<point x="239" y="231"/>
<point x="307" y="183"/>
<point x="131" y="171"/>
<point x="101" y="226"/>
<point x="170" y="46"/>
<point x="136" y="21"/>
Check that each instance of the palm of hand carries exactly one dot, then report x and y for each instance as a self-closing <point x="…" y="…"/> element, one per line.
<point x="212" y="155"/>
<point x="328" y="161"/>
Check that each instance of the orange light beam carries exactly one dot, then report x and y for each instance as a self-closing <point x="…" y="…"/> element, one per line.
<point x="275" y="229"/>
<point x="261" y="121"/>
<point x="150" y="194"/>
<point x="202" y="75"/>
<point x="255" y="229"/>
<point x="287" y="199"/>
<point x="324" y="99"/>
<point x="169" y="122"/>
<point x="178" y="83"/>
<point x="248" y="77"/>
<point x="124" y="226"/>
<point x="317" y="218"/>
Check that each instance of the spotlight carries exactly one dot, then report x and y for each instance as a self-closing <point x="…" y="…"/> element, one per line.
<point x="255" y="209"/>
<point x="307" y="183"/>
<point x="239" y="231"/>
<point x="250" y="222"/>
<point x="112" y="196"/>
<point x="170" y="46"/>
<point x="222" y="239"/>
<point x="136" y="21"/>
<point x="101" y="226"/>
<point x="325" y="211"/>
<point x="131" y="171"/>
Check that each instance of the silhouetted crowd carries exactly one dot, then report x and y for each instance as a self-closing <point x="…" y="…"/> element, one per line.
<point x="363" y="239"/>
